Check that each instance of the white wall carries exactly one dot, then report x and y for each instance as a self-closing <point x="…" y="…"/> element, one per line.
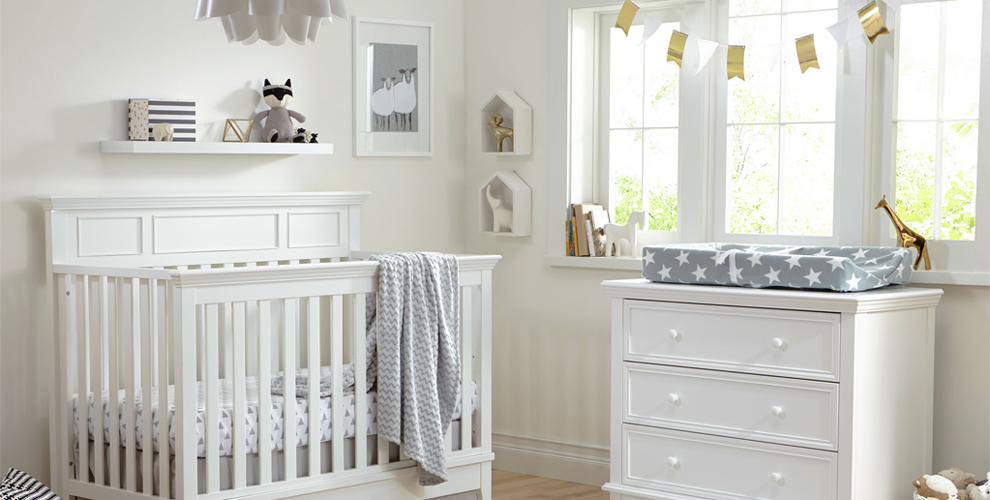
<point x="67" y="70"/>
<point x="552" y="324"/>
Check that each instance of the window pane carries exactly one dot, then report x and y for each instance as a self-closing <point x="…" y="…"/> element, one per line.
<point x="752" y="179"/>
<point x="807" y="173"/>
<point x="756" y="99"/>
<point x="662" y="83"/>
<point x="801" y="5"/>
<point x="959" y="143"/>
<point x="809" y="96"/>
<point x="626" y="78"/>
<point x="962" y="59"/>
<point x="751" y="7"/>
<point x="917" y="76"/>
<point x="661" y="178"/>
<point x="916" y="175"/>
<point x="625" y="169"/>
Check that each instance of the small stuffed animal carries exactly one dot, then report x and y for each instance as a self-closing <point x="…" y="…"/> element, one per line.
<point x="278" y="125"/>
<point x="980" y="490"/>
<point x="309" y="137"/>
<point x="936" y="487"/>
<point x="960" y="479"/>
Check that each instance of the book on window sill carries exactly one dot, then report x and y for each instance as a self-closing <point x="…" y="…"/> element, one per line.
<point x="585" y="243"/>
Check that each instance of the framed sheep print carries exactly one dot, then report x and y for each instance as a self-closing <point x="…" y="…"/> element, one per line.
<point x="393" y="88"/>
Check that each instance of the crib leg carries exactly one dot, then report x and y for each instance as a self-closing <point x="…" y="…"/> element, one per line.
<point x="486" y="482"/>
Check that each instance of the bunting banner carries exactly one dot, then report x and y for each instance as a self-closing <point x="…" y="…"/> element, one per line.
<point x="869" y="17"/>
<point x="626" y="15"/>
<point x="735" y="63"/>
<point x="807" y="57"/>
<point x="675" y="51"/>
<point x="872" y="22"/>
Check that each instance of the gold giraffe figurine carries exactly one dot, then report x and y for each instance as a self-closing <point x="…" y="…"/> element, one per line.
<point x="500" y="132"/>
<point x="907" y="237"/>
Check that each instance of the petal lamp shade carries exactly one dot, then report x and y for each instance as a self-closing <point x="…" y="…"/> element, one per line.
<point x="273" y="21"/>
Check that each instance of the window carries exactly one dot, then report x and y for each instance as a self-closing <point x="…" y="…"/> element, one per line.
<point x="935" y="125"/>
<point x="779" y="158"/>
<point x="642" y="125"/>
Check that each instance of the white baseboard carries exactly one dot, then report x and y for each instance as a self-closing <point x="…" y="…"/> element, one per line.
<point x="576" y="463"/>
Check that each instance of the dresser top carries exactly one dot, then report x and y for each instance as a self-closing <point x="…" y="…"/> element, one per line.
<point x="882" y="299"/>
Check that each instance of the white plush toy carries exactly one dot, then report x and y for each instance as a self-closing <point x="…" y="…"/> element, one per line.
<point x="980" y="490"/>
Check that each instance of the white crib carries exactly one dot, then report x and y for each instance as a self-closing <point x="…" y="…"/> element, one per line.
<point x="208" y="292"/>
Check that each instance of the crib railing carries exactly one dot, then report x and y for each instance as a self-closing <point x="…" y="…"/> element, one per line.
<point x="145" y="329"/>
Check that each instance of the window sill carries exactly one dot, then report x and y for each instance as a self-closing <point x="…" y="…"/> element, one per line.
<point x="634" y="264"/>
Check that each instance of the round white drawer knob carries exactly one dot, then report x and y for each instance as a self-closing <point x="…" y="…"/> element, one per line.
<point x="674" y="399"/>
<point x="674" y="463"/>
<point x="778" y="412"/>
<point x="674" y="335"/>
<point x="779" y="344"/>
<point x="777" y="479"/>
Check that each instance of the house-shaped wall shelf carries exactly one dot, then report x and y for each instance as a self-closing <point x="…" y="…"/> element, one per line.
<point x="517" y="115"/>
<point x="515" y="195"/>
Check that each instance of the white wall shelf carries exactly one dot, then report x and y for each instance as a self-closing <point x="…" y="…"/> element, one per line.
<point x="219" y="148"/>
<point x="516" y="196"/>
<point x="517" y="115"/>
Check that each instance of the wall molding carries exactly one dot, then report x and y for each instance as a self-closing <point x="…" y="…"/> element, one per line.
<point x="562" y="460"/>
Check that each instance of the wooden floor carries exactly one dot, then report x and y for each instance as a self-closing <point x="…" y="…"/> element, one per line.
<point x="513" y="486"/>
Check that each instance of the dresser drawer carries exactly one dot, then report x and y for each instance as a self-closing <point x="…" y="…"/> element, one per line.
<point x="770" y="409"/>
<point x="778" y="342"/>
<point x="723" y="468"/>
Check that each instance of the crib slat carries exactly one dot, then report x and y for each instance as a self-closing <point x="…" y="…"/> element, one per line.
<point x="264" y="320"/>
<point x="147" y="401"/>
<point x="226" y="342"/>
<point x="163" y="410"/>
<point x="132" y="350"/>
<point x="313" y="366"/>
<point x="113" y="402"/>
<point x="82" y="410"/>
<point x="382" y="443"/>
<point x="240" y="397"/>
<point x="289" y="384"/>
<point x="212" y="398"/>
<point x="359" y="357"/>
<point x="337" y="367"/>
<point x="100" y="342"/>
<point x="184" y="334"/>
<point x="467" y="351"/>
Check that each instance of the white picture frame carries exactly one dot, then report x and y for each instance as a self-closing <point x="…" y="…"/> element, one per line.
<point x="392" y="135"/>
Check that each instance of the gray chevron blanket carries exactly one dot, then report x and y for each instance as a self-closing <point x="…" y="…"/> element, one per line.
<point x="418" y="359"/>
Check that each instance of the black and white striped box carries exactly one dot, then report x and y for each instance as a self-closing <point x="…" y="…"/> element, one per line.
<point x="144" y="114"/>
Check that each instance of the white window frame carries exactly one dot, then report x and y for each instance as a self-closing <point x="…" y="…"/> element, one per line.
<point x="953" y="262"/>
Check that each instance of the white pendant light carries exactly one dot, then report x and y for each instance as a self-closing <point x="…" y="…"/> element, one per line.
<point x="273" y="21"/>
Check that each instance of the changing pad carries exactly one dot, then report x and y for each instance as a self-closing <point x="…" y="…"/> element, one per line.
<point x="843" y="269"/>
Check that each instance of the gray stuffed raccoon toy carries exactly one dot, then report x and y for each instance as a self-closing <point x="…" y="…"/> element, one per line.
<point x="278" y="126"/>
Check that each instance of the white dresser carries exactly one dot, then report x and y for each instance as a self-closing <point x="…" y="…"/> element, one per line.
<point x="733" y="393"/>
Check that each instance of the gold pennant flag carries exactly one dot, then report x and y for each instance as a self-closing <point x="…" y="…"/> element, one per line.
<point x="735" y="62"/>
<point x="872" y="22"/>
<point x="675" y="51"/>
<point x="807" y="56"/>
<point x="626" y="16"/>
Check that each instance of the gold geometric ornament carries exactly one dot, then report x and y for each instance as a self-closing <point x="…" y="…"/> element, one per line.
<point x="675" y="51"/>
<point x="237" y="130"/>
<point x="807" y="56"/>
<point x="626" y="16"/>
<point x="735" y="65"/>
<point x="872" y="22"/>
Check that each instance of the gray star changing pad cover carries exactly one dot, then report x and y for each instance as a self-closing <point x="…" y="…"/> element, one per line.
<point x="843" y="269"/>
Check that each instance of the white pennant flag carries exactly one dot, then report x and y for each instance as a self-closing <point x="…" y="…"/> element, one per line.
<point x="650" y="27"/>
<point x="773" y="55"/>
<point x="705" y="50"/>
<point x="840" y="31"/>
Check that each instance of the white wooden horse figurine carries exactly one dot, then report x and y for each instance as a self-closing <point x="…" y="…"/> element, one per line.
<point x="616" y="235"/>
<point x="502" y="215"/>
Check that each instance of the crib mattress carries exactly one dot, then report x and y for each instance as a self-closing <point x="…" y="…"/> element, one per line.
<point x="225" y="419"/>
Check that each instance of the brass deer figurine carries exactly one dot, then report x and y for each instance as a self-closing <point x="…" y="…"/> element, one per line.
<point x="907" y="237"/>
<point x="501" y="133"/>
